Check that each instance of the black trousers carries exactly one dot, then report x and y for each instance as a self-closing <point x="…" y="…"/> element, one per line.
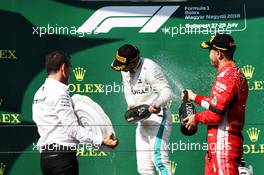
<point x="59" y="163"/>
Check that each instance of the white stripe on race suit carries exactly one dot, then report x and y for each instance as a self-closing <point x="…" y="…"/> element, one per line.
<point x="226" y="152"/>
<point x="205" y="104"/>
<point x="214" y="167"/>
<point x="221" y="145"/>
<point x="219" y="142"/>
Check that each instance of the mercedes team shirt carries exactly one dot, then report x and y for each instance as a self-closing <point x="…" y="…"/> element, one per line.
<point x="55" y="118"/>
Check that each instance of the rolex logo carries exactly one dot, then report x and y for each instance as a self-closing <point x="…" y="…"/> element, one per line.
<point x="253" y="134"/>
<point x="2" y="168"/>
<point x="248" y="71"/>
<point x="79" y="73"/>
<point x="173" y="166"/>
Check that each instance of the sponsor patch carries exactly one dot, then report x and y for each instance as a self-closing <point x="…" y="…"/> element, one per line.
<point x="214" y="100"/>
<point x="220" y="87"/>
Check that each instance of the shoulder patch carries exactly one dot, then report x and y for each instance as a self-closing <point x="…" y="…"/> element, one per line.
<point x="222" y="74"/>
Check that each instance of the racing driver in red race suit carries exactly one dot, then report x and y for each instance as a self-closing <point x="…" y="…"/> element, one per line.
<point x="225" y="114"/>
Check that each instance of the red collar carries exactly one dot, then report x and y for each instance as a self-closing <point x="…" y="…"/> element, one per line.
<point x="226" y="66"/>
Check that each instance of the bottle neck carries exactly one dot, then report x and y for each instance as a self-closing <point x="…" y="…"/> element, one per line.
<point x="185" y="96"/>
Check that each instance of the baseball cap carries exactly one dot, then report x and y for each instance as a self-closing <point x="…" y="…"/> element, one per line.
<point x="125" y="55"/>
<point x="223" y="42"/>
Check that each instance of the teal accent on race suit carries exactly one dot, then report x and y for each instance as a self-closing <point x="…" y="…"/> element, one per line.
<point x="157" y="147"/>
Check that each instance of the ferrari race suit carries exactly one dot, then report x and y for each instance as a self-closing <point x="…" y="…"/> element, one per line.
<point x="225" y="119"/>
<point x="146" y="84"/>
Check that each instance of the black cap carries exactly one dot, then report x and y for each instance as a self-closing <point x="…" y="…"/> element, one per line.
<point x="125" y="55"/>
<point x="223" y="42"/>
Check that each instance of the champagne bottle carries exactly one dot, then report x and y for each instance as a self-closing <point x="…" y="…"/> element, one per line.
<point x="186" y="108"/>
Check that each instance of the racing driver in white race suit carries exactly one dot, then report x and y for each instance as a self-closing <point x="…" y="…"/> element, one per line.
<point x="144" y="83"/>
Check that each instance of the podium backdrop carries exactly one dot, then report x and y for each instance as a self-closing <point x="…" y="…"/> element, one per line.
<point x="91" y="32"/>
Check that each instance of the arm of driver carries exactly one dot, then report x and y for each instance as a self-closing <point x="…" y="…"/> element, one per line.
<point x="165" y="95"/>
<point x="159" y="85"/>
<point x="218" y="100"/>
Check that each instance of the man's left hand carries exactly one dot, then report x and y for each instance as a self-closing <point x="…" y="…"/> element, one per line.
<point x="191" y="122"/>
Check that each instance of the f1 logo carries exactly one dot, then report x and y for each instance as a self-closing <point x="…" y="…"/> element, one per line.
<point x="151" y="18"/>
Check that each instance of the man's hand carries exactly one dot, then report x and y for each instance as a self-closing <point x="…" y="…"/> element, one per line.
<point x="154" y="109"/>
<point x="191" y="122"/>
<point x="191" y="95"/>
<point x="110" y="141"/>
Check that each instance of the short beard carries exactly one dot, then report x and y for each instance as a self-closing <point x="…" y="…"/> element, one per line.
<point x="65" y="80"/>
<point x="214" y="63"/>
